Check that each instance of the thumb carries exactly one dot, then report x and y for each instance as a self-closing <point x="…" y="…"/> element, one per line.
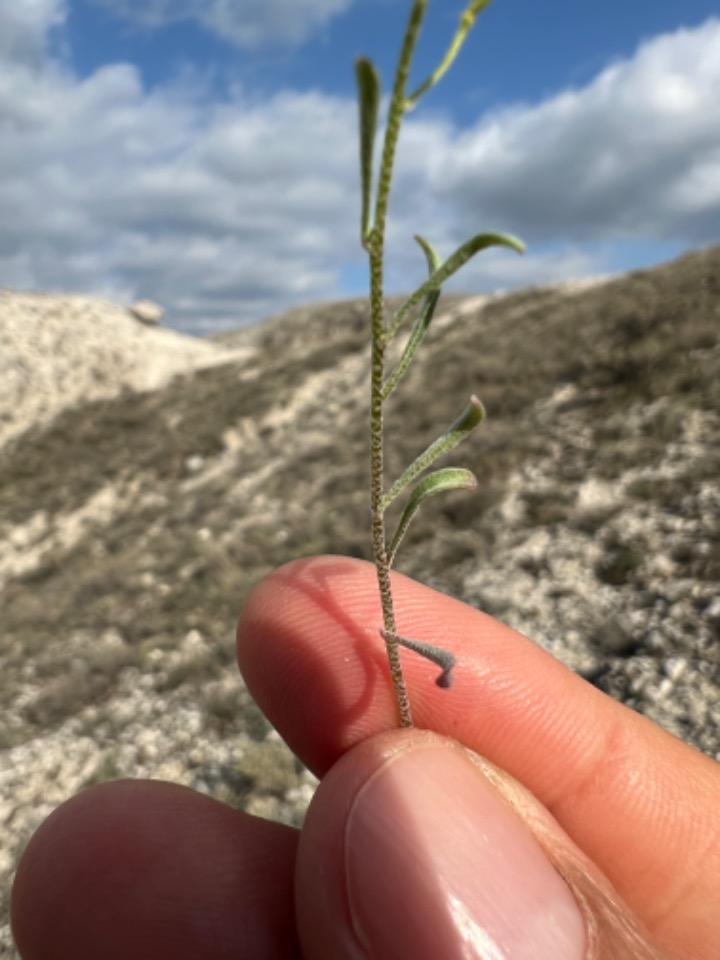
<point x="414" y="847"/>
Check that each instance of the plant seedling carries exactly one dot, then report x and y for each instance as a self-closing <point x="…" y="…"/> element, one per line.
<point x="375" y="199"/>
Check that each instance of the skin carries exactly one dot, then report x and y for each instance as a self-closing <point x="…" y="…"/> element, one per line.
<point x="627" y="814"/>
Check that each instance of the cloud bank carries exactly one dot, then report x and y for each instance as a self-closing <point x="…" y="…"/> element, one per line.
<point x="249" y="24"/>
<point x="225" y="210"/>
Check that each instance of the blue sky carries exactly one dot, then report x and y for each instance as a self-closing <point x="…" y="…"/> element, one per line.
<point x="202" y="153"/>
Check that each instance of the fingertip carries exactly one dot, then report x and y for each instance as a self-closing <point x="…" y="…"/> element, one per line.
<point x="309" y="650"/>
<point x="415" y="846"/>
<point x="409" y="851"/>
<point x="145" y="869"/>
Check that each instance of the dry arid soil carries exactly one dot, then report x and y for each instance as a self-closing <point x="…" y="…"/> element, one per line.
<point x="135" y="515"/>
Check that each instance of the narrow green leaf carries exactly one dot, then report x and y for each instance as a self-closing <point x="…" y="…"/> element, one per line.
<point x="450" y="478"/>
<point x="467" y="421"/>
<point x="368" y="83"/>
<point x="475" y="6"/>
<point x="431" y="254"/>
<point x="453" y="263"/>
<point x="421" y="324"/>
<point x="467" y="19"/>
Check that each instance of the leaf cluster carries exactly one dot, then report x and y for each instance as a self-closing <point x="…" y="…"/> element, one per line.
<point x="428" y="293"/>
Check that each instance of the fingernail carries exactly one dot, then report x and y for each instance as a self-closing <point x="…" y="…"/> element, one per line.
<point x="439" y="866"/>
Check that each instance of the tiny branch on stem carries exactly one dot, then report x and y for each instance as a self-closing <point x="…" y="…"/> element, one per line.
<point x="453" y="263"/>
<point x="467" y="20"/>
<point x="437" y="655"/>
<point x="421" y="324"/>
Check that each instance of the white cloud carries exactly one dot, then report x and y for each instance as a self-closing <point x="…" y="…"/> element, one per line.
<point x="221" y="211"/>
<point x="249" y="24"/>
<point x="24" y="26"/>
<point x="227" y="211"/>
<point x="634" y="154"/>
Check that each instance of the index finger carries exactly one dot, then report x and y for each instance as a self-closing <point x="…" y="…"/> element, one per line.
<point x="640" y="803"/>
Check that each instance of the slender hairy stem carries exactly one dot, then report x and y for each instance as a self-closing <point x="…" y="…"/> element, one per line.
<point x="378" y="519"/>
<point x="376" y="249"/>
<point x="384" y="330"/>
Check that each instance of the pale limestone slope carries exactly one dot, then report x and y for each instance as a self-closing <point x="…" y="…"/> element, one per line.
<point x="59" y="351"/>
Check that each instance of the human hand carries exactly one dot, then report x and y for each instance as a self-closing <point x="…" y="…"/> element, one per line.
<point x="413" y="846"/>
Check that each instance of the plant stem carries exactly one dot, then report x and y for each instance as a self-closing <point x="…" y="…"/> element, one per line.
<point x="384" y="331"/>
<point x="380" y="553"/>
<point x="376" y="251"/>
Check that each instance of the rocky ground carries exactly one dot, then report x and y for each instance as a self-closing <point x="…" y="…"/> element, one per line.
<point x="135" y="516"/>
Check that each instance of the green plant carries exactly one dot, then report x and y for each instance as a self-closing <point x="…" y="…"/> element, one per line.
<point x="385" y="330"/>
